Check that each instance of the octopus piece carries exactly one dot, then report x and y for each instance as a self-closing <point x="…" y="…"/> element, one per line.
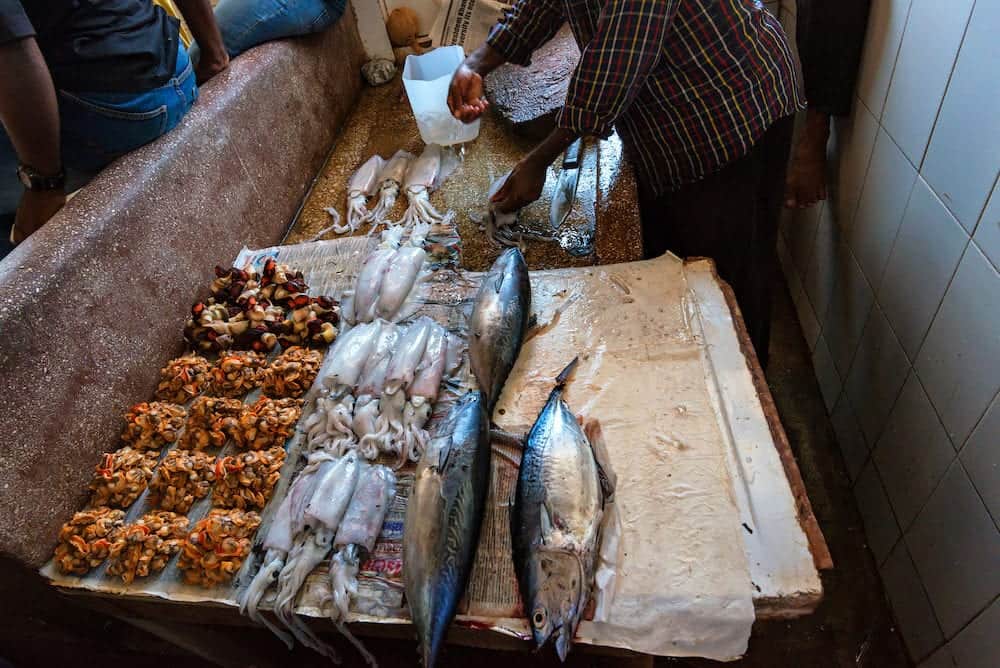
<point x="216" y="547"/>
<point x="236" y="373"/>
<point x="183" y="477"/>
<point x="121" y="477"/>
<point x="313" y="324"/>
<point x="246" y="480"/>
<point x="182" y="379"/>
<point x="267" y="423"/>
<point x="330" y="426"/>
<point x="153" y="425"/>
<point x="145" y="547"/>
<point x="292" y="373"/>
<point x="421" y="177"/>
<point x="211" y="422"/>
<point x="390" y="178"/>
<point x="85" y="541"/>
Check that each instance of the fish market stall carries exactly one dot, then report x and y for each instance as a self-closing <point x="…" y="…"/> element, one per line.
<point x="711" y="528"/>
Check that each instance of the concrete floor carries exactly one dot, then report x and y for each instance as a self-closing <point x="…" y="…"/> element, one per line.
<point x="851" y="628"/>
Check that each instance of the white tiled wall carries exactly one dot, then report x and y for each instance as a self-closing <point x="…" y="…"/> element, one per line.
<point x="895" y="279"/>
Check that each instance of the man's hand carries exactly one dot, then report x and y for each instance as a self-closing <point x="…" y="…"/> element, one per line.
<point x="465" y="95"/>
<point x="210" y="65"/>
<point x="35" y="209"/>
<point x="522" y="187"/>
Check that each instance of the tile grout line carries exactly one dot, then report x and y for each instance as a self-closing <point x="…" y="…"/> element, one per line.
<point x="947" y="85"/>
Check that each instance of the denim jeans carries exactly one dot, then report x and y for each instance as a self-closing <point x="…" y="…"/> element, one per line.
<point x="247" y="23"/>
<point x="96" y="128"/>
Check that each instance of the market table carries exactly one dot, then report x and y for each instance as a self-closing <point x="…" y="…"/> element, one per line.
<point x="780" y="538"/>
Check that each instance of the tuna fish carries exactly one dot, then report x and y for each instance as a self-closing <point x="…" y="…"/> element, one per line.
<point x="443" y="517"/>
<point x="498" y="323"/>
<point x="556" y="519"/>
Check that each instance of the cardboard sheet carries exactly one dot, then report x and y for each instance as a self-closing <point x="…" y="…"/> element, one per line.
<point x="648" y="371"/>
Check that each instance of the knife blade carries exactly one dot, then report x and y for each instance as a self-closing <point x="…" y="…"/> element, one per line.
<point x="565" y="191"/>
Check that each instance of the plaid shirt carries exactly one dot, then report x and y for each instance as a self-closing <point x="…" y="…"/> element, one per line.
<point x="689" y="84"/>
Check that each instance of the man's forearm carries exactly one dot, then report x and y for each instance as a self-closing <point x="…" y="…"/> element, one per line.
<point x="200" y="19"/>
<point x="484" y="60"/>
<point x="550" y="148"/>
<point x="28" y="108"/>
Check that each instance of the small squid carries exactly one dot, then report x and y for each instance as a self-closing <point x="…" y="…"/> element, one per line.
<point x="321" y="519"/>
<point x="422" y="394"/>
<point x="369" y="389"/>
<point x="359" y="529"/>
<point x="388" y="433"/>
<point x="420" y="179"/>
<point x="399" y="281"/>
<point x="361" y="186"/>
<point x="369" y="283"/>
<point x="390" y="178"/>
<point x="288" y="521"/>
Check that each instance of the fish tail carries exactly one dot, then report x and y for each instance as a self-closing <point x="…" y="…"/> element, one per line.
<point x="565" y="374"/>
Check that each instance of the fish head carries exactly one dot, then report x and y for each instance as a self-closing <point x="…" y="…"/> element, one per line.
<point x="557" y="600"/>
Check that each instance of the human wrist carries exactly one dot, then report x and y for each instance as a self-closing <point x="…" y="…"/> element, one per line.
<point x="484" y="60"/>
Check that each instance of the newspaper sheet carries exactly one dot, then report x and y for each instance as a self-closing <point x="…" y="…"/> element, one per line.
<point x="446" y="22"/>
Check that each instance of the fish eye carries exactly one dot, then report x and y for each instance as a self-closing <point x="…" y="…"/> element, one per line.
<point x="538" y="618"/>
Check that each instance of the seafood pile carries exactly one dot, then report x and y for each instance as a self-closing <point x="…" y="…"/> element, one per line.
<point x="121" y="477"/>
<point x="211" y="422"/>
<point x="146" y="546"/>
<point x="251" y="311"/>
<point x="216" y="547"/>
<point x="183" y="477"/>
<point x="153" y="425"/>
<point x="246" y="480"/>
<point x="292" y="372"/>
<point x="182" y="379"/>
<point x="85" y="541"/>
<point x="386" y="285"/>
<point x="236" y="373"/>
<point x="267" y="423"/>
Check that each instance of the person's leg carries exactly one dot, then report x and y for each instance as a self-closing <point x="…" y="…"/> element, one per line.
<point x="247" y="23"/>
<point x="730" y="216"/>
<point x="829" y="37"/>
<point x="99" y="127"/>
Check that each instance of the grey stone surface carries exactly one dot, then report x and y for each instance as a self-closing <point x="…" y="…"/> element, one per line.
<point x="93" y="304"/>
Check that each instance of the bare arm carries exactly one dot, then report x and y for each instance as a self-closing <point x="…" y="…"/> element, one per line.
<point x="201" y="20"/>
<point x="30" y="114"/>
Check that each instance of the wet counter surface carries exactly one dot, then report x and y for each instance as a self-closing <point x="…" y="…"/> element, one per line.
<point x="383" y="123"/>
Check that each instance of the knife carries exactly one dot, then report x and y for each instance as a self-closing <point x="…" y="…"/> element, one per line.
<point x="565" y="191"/>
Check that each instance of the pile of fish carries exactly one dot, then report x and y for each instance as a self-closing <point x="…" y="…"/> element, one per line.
<point x="335" y="504"/>
<point x="416" y="176"/>
<point x="561" y="490"/>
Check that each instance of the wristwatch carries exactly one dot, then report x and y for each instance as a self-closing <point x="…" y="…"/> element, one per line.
<point x="34" y="180"/>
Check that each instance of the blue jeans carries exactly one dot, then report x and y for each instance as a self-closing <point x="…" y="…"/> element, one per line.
<point x="96" y="128"/>
<point x="247" y="23"/>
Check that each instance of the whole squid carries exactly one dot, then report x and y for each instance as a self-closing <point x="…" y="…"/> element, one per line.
<point x="422" y="394"/>
<point x="369" y="389"/>
<point x="288" y="521"/>
<point x="499" y="322"/>
<point x="443" y="518"/>
<point x="362" y="185"/>
<point x="321" y="519"/>
<point x="387" y="436"/>
<point x="359" y="529"/>
<point x="390" y="178"/>
<point x="399" y="281"/>
<point x="369" y="284"/>
<point x="421" y="177"/>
